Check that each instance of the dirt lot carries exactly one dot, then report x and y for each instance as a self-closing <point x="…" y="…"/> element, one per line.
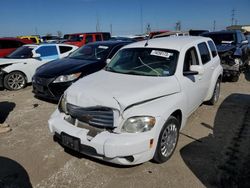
<point x="213" y="149"/>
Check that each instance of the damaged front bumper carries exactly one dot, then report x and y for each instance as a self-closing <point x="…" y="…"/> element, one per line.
<point x="119" y="148"/>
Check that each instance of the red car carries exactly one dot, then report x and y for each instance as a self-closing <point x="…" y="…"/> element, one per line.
<point x="7" y="45"/>
<point x="80" y="39"/>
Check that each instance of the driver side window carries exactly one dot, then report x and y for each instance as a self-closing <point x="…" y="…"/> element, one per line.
<point x="47" y="51"/>
<point x="191" y="58"/>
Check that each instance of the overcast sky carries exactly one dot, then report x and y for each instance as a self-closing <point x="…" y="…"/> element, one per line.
<point x="25" y="17"/>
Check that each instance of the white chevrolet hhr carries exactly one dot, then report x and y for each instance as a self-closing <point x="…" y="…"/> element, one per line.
<point x="132" y="111"/>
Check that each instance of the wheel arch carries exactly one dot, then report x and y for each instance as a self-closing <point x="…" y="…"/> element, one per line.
<point x="178" y="115"/>
<point x="26" y="77"/>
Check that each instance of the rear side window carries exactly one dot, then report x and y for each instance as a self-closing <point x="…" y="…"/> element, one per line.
<point x="106" y="36"/>
<point x="98" y="37"/>
<point x="89" y="38"/>
<point x="33" y="39"/>
<point x="205" y="56"/>
<point x="191" y="58"/>
<point x="64" y="49"/>
<point x="47" y="51"/>
<point x="212" y="48"/>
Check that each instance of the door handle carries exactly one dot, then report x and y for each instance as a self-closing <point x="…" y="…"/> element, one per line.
<point x="212" y="68"/>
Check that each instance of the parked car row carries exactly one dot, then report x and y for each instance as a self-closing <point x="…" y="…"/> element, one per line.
<point x="17" y="69"/>
<point x="124" y="102"/>
<point x="52" y="79"/>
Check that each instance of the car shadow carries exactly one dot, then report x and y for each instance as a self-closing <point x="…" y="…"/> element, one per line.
<point x="222" y="159"/>
<point x="5" y="108"/>
<point x="13" y="175"/>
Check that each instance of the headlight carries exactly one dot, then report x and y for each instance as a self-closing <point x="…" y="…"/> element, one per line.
<point x="67" y="78"/>
<point x="138" y="124"/>
<point x="62" y="105"/>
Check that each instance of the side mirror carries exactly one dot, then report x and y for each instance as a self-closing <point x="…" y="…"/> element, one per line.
<point x="244" y="42"/>
<point x="108" y="61"/>
<point x="197" y="68"/>
<point x="194" y="70"/>
<point x="36" y="55"/>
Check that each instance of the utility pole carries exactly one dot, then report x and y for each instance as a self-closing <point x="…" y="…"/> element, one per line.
<point x="97" y="23"/>
<point x="236" y="22"/>
<point x="233" y="16"/>
<point x="111" y="29"/>
<point x="36" y="31"/>
<point x="178" y="26"/>
<point x="148" y="29"/>
<point x="141" y="16"/>
<point x="214" y="25"/>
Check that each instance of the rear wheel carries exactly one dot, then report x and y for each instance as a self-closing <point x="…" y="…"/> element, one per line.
<point x="15" y="81"/>
<point x="167" y="141"/>
<point x="216" y="93"/>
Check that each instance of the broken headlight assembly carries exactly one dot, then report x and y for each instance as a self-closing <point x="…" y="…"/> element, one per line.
<point x="138" y="124"/>
<point x="62" y="105"/>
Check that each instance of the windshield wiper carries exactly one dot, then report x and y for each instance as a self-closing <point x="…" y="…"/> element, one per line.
<point x="157" y="73"/>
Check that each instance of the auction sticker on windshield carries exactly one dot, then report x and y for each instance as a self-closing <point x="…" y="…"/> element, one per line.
<point x="103" y="47"/>
<point x="161" y="53"/>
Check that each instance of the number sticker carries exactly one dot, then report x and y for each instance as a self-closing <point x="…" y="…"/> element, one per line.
<point x="161" y="53"/>
<point x="103" y="47"/>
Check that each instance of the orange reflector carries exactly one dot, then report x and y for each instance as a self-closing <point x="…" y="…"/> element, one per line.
<point x="151" y="143"/>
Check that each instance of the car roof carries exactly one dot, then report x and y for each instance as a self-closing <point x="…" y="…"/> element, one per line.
<point x="174" y="43"/>
<point x="16" y="39"/>
<point x="221" y="32"/>
<point x="50" y="44"/>
<point x="109" y="42"/>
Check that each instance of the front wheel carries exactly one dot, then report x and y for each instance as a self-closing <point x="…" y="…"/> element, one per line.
<point x="167" y="141"/>
<point x="15" y="81"/>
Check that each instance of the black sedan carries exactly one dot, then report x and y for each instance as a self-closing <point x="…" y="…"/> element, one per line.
<point x="53" y="78"/>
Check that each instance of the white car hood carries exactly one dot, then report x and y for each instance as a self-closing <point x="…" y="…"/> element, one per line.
<point x="6" y="61"/>
<point x="119" y="91"/>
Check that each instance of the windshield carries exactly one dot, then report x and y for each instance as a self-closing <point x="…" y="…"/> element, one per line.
<point x="144" y="61"/>
<point x="22" y="52"/>
<point x="75" y="38"/>
<point x="91" y="52"/>
<point x="222" y="38"/>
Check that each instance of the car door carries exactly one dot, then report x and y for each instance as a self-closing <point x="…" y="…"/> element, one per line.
<point x="191" y="84"/>
<point x="48" y="53"/>
<point x="209" y="66"/>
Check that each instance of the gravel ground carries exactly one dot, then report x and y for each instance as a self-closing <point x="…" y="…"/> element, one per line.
<point x="213" y="148"/>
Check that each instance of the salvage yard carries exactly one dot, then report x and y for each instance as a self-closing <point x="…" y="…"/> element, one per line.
<point x="213" y="148"/>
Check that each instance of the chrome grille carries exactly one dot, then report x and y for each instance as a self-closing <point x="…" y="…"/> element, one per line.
<point x="101" y="117"/>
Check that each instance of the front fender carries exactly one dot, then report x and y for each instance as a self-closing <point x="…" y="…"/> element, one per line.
<point x="161" y="108"/>
<point x="21" y="67"/>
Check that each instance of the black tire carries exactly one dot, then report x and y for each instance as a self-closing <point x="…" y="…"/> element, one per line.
<point x="235" y="78"/>
<point x="169" y="131"/>
<point x="214" y="99"/>
<point x="15" y="81"/>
